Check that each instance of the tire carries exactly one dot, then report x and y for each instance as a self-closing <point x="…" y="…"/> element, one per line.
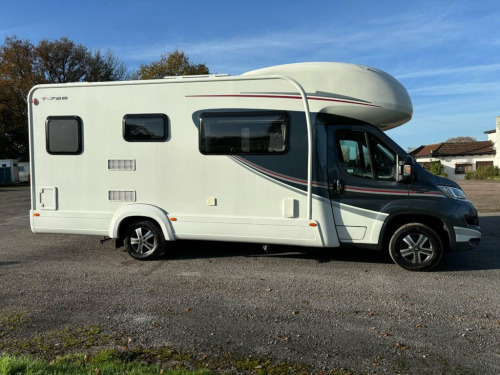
<point x="416" y="247"/>
<point x="144" y="240"/>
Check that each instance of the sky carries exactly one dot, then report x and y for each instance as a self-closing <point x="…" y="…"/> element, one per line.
<point x="446" y="53"/>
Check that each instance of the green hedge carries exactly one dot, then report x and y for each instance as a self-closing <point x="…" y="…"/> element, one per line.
<point x="436" y="168"/>
<point x="484" y="173"/>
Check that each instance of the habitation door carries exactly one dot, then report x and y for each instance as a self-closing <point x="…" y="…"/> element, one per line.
<point x="362" y="182"/>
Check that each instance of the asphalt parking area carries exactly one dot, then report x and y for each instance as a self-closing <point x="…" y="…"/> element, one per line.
<point x="327" y="308"/>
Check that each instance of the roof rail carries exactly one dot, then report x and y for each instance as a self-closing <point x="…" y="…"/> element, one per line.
<point x="198" y="76"/>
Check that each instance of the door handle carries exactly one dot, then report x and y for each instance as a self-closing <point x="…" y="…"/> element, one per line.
<point x="337" y="186"/>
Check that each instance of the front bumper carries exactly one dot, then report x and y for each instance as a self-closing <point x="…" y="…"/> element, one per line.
<point x="466" y="238"/>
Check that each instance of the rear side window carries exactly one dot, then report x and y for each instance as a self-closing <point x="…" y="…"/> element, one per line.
<point x="244" y="133"/>
<point x="145" y="128"/>
<point x="63" y="135"/>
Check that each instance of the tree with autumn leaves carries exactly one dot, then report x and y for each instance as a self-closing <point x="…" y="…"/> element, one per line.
<point x="172" y="64"/>
<point x="24" y="65"/>
<point x="17" y="75"/>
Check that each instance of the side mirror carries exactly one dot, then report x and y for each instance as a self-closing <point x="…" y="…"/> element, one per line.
<point x="405" y="169"/>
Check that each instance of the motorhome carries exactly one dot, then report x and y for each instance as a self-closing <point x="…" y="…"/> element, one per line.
<point x="291" y="155"/>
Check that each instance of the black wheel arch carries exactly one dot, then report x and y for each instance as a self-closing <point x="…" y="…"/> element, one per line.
<point x="398" y="220"/>
<point x="126" y="222"/>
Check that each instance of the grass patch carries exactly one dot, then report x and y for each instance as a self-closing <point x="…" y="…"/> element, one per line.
<point x="139" y="362"/>
<point x="103" y="363"/>
<point x="49" y="345"/>
<point x="96" y="351"/>
<point x="60" y="342"/>
<point x="9" y="322"/>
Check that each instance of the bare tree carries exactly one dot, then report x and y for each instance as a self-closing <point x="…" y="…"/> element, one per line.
<point x="62" y="60"/>
<point x="104" y="67"/>
<point x="461" y="139"/>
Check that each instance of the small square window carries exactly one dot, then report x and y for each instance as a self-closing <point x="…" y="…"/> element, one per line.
<point x="145" y="128"/>
<point x="463" y="168"/>
<point x="63" y="135"/>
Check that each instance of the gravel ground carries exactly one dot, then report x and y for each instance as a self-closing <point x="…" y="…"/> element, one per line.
<point x="484" y="194"/>
<point x="330" y="309"/>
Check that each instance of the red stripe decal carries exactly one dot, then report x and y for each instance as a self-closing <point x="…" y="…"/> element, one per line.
<point x="437" y="194"/>
<point x="323" y="185"/>
<point x="283" y="97"/>
<point x="394" y="192"/>
<point x="275" y="174"/>
<point x="380" y="191"/>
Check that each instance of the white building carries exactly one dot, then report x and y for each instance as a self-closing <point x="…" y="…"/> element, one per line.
<point x="494" y="136"/>
<point x="24" y="171"/>
<point x="463" y="157"/>
<point x="9" y="173"/>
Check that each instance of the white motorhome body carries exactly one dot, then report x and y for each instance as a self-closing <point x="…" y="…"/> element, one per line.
<point x="248" y="158"/>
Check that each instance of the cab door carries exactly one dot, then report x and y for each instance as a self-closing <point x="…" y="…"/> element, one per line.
<point x="362" y="179"/>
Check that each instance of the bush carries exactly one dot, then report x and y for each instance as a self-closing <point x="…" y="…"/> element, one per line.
<point x="436" y="168"/>
<point x="484" y="173"/>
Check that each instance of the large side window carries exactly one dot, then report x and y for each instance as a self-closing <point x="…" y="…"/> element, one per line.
<point x="145" y="128"/>
<point x="244" y="133"/>
<point x="364" y="155"/>
<point x="63" y="135"/>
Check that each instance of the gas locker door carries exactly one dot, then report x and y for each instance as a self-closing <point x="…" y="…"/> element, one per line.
<point x="362" y="179"/>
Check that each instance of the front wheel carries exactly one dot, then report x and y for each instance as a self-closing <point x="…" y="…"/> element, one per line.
<point x="416" y="247"/>
<point x="144" y="240"/>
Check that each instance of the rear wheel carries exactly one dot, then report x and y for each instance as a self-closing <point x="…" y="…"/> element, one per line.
<point x="144" y="240"/>
<point x="416" y="247"/>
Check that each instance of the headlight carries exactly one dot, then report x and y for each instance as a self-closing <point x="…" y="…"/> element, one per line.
<point x="452" y="192"/>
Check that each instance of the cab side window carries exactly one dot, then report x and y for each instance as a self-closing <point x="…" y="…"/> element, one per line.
<point x="353" y="153"/>
<point x="363" y="155"/>
<point x="384" y="160"/>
